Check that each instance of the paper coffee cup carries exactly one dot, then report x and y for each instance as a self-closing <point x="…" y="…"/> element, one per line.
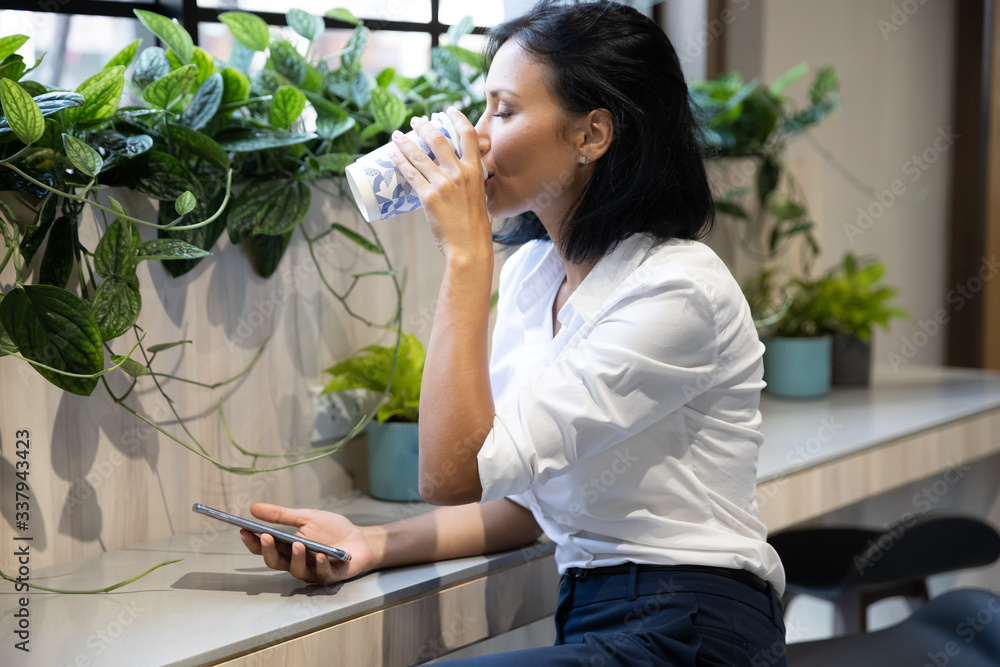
<point x="380" y="189"/>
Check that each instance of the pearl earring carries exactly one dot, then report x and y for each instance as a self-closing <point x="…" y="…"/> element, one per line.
<point x="583" y="159"/>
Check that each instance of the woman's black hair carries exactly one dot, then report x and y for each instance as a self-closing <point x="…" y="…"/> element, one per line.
<point x="606" y="55"/>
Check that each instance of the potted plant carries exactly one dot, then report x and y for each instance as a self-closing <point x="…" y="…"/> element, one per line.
<point x="392" y="438"/>
<point x="794" y="327"/>
<point x="855" y="302"/>
<point x="747" y="127"/>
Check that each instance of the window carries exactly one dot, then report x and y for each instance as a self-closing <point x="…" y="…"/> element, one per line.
<point x="80" y="36"/>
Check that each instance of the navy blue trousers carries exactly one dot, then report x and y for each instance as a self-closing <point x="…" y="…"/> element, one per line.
<point x="657" y="617"/>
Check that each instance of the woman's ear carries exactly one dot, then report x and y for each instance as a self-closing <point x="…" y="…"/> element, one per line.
<point x="598" y="131"/>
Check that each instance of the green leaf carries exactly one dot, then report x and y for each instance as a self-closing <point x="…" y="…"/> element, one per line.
<point x="13" y="68"/>
<point x="170" y="31"/>
<point x="240" y="57"/>
<point x="130" y="366"/>
<point x="371" y="132"/>
<point x="48" y="104"/>
<point x="470" y="58"/>
<point x="103" y="93"/>
<point x="369" y="369"/>
<point x="153" y="349"/>
<point x="784" y="209"/>
<point x="389" y="111"/>
<point x="460" y="29"/>
<point x="385" y="77"/>
<point x="164" y="177"/>
<point x="350" y="59"/>
<point x="204" y="104"/>
<point x="287" y="105"/>
<point x="54" y="327"/>
<point x="205" y="64"/>
<point x="116" y="307"/>
<point x="170" y="249"/>
<point x="152" y="65"/>
<point x="124" y="57"/>
<point x="10" y="44"/>
<point x="268" y="207"/>
<point x="336" y="162"/>
<point x="768" y="176"/>
<point x="824" y="85"/>
<point x="251" y="140"/>
<point x="357" y="238"/>
<point x="39" y="229"/>
<point x="729" y="208"/>
<point x="266" y="252"/>
<point x="83" y="157"/>
<point x="345" y="15"/>
<point x="305" y="24"/>
<point x="235" y="85"/>
<point x="249" y="30"/>
<point x="362" y="85"/>
<point x="199" y="144"/>
<point x="289" y="63"/>
<point x="446" y="64"/>
<point x="333" y="120"/>
<point x="7" y="346"/>
<point x="57" y="263"/>
<point x="788" y="78"/>
<point x="185" y="203"/>
<point x="115" y="254"/>
<point x="331" y="128"/>
<point x="201" y="237"/>
<point x="21" y="112"/>
<point x="165" y="91"/>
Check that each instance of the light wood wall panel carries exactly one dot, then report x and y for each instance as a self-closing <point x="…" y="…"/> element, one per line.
<point x="423" y="628"/>
<point x="808" y="494"/>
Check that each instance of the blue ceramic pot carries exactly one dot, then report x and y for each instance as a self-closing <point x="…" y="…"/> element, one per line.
<point x="797" y="367"/>
<point x="393" y="461"/>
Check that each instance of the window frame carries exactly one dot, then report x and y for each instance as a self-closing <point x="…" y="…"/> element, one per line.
<point x="189" y="15"/>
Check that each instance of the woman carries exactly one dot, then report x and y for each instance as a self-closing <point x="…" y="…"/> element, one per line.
<point x="617" y="412"/>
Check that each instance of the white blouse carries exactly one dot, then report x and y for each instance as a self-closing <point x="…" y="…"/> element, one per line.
<point x="632" y="435"/>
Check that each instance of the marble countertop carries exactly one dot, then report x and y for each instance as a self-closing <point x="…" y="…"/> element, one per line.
<point x="221" y="600"/>
<point x="801" y="433"/>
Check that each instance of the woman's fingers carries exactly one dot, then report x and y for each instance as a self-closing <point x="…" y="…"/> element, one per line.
<point x="273" y="557"/>
<point x="285" y="516"/>
<point x="467" y="133"/>
<point x="251" y="541"/>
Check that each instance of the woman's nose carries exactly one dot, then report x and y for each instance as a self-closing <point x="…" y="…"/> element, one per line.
<point x="483" y="130"/>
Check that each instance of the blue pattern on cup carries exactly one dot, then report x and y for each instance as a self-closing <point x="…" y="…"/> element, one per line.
<point x="393" y="194"/>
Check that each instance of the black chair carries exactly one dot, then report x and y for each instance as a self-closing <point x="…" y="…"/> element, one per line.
<point x="853" y="567"/>
<point x="960" y="628"/>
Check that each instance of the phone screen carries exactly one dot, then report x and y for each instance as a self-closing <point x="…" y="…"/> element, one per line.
<point x="278" y="535"/>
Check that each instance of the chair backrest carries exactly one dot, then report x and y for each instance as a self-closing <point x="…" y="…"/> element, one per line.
<point x="930" y="545"/>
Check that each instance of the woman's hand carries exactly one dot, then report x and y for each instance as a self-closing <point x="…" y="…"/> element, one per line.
<point x="319" y="526"/>
<point x="453" y="193"/>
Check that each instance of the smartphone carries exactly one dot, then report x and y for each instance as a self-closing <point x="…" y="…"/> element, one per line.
<point x="278" y="535"/>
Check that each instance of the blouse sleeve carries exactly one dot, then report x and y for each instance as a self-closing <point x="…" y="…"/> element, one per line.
<point x="654" y="351"/>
